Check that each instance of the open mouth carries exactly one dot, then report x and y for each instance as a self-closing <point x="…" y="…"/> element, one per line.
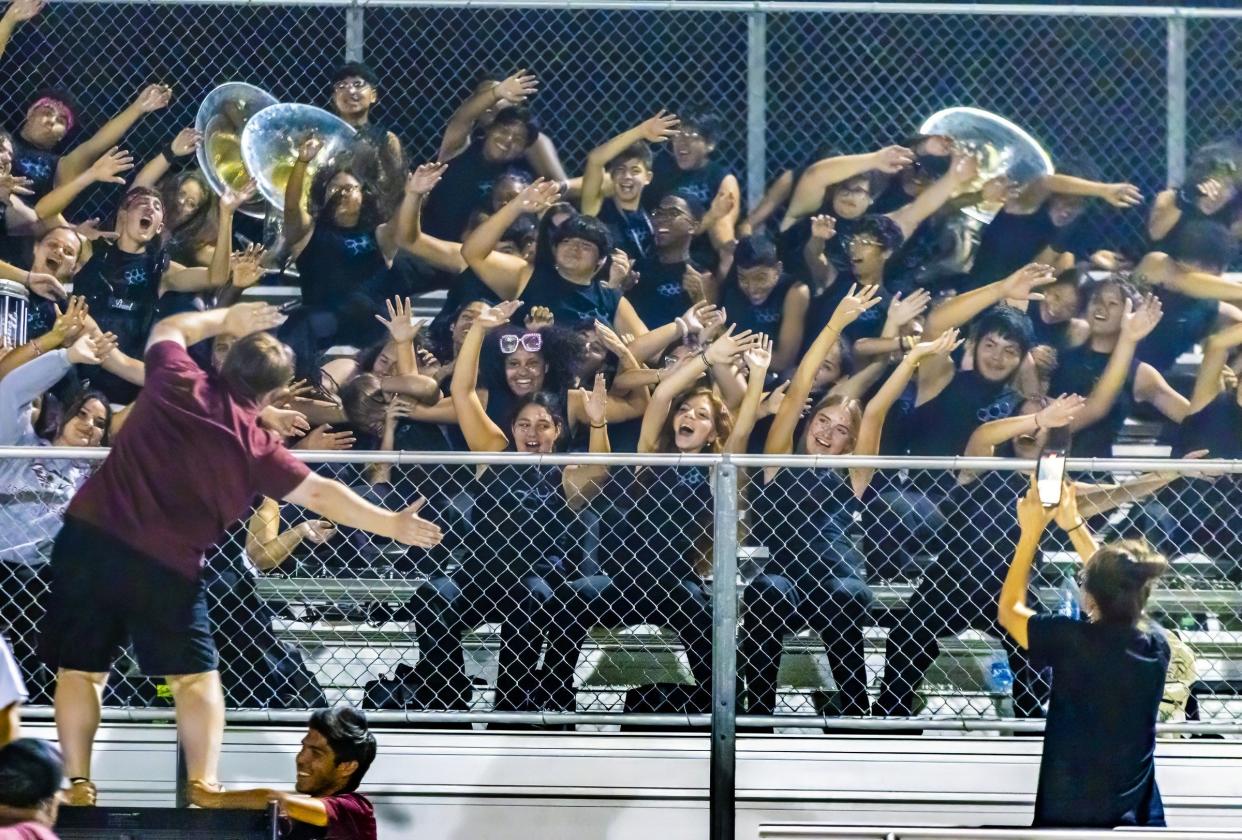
<point x="52" y="264"/>
<point x="685" y="430"/>
<point x="530" y="446"/>
<point x="822" y="443"/>
<point x="145" y="223"/>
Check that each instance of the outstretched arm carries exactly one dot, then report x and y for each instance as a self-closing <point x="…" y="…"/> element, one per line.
<point x="482" y="434"/>
<point x="808" y="193"/>
<point x="962" y="171"/>
<point x="337" y="503"/>
<point x="1012" y="612"/>
<point x="152" y="98"/>
<point x="505" y="274"/>
<point x="513" y="90"/>
<point x="239" y="320"/>
<point x="1216" y="352"/>
<point x="757" y="359"/>
<point x="18" y="12"/>
<point x="657" y="129"/>
<point x="1136" y="324"/>
<point x="106" y="170"/>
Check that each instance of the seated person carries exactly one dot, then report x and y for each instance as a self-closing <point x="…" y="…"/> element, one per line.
<point x="31" y="773"/>
<point x="336" y="753"/>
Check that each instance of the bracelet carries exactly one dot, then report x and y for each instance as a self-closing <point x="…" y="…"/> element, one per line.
<point x="707" y="363"/>
<point x="38" y="351"/>
<point x="168" y="154"/>
<point x="1081" y="522"/>
<point x="603" y="425"/>
<point x="1035" y="417"/>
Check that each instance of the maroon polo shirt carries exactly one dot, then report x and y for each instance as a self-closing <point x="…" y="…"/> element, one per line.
<point x="350" y="817"/>
<point x="188" y="463"/>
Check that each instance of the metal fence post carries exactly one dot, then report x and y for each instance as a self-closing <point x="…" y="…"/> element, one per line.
<point x="756" y="106"/>
<point x="355" y="32"/>
<point x="724" y="651"/>
<point x="1176" y="98"/>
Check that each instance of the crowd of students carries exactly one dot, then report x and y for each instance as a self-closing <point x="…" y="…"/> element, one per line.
<point x="636" y="306"/>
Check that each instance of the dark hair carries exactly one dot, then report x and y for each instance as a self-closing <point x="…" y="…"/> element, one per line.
<point x="1204" y="244"/>
<point x="1008" y="323"/>
<point x="523" y="231"/>
<point x="1119" y="577"/>
<point x="62" y="96"/>
<point x="883" y="229"/>
<point x="367" y="356"/>
<point x="1119" y="281"/>
<point x="31" y="772"/>
<point x="199" y="228"/>
<point x="702" y="120"/>
<point x="639" y="151"/>
<point x="356" y="162"/>
<point x="1221" y="160"/>
<point x="257" y="364"/>
<point x="345" y="730"/>
<point x="545" y="400"/>
<point x="588" y="228"/>
<point x="561" y="349"/>
<point x="518" y="115"/>
<point x="931" y="166"/>
<point x="696" y="207"/>
<point x="358" y="401"/>
<point x="80" y="399"/>
<point x="355" y="70"/>
<point x="755" y="251"/>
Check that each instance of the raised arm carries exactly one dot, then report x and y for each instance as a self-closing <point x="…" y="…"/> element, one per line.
<point x="482" y="434"/>
<point x="178" y="278"/>
<point x="242" y="319"/>
<point x="582" y="482"/>
<point x="505" y="274"/>
<point x="777" y="193"/>
<point x="18" y="12"/>
<point x="758" y="358"/>
<point x="960" y="309"/>
<point x="152" y="98"/>
<point x="1012" y="613"/>
<point x="822" y="272"/>
<point x="68" y="325"/>
<point x="184" y="144"/>
<point x="1216" y="352"/>
<point x="657" y="129"/>
<point x="1120" y="195"/>
<point x="781" y="433"/>
<point x="298" y="221"/>
<point x="808" y="193"/>
<point x="409" y="221"/>
<point x="513" y="90"/>
<point x="1056" y="414"/>
<point x="961" y="172"/>
<point x="403" y="329"/>
<point x="106" y="170"/>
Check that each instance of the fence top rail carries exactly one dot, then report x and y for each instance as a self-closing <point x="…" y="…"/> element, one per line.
<point x="748" y="6"/>
<point x="810" y="830"/>
<point x="408" y="458"/>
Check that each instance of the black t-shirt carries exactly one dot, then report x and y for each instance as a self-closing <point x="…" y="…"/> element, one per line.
<point x="659" y="297"/>
<point x="1186" y="321"/>
<point x="339" y="262"/>
<point x="1011" y="241"/>
<point x="37" y="165"/>
<point x="942" y="426"/>
<point x="465" y="187"/>
<point x="1098" y="768"/>
<point x="765" y="317"/>
<point x="1056" y="336"/>
<point x="631" y="229"/>
<point x="700" y="184"/>
<point x="571" y="303"/>
<point x="1217" y="427"/>
<point x="1078" y="371"/>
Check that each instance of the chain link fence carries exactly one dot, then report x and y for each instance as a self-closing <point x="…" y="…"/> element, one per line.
<point x="588" y="590"/>
<point x="1129" y="90"/>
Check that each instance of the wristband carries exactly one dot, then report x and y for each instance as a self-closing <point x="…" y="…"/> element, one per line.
<point x="168" y="153"/>
<point x="1081" y="522"/>
<point x="707" y="363"/>
<point x="1185" y="197"/>
<point x="603" y="425"/>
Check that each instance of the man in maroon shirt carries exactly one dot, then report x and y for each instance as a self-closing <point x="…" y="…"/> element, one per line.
<point x="336" y="753"/>
<point x="127" y="563"/>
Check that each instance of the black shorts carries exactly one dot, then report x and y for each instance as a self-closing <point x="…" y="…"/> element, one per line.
<point x="105" y="594"/>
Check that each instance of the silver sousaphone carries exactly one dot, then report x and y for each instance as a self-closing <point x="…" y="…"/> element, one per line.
<point x="1001" y="148"/>
<point x="270" y="141"/>
<point x="221" y="119"/>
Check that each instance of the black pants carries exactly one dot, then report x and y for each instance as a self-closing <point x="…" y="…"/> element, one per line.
<point x="947" y="602"/>
<point x="23" y="599"/>
<point x="579" y="605"/>
<point x="448" y="606"/>
<point x="834" y="607"/>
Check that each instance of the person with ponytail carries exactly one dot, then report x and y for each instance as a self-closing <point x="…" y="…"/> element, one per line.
<point x="1108" y="673"/>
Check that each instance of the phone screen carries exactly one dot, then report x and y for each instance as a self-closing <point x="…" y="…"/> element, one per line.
<point x="1049" y="476"/>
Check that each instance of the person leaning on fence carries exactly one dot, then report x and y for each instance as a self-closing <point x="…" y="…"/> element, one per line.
<point x="656" y="524"/>
<point x="521" y="539"/>
<point x="336" y="754"/>
<point x="127" y="563"/>
<point x="31" y="774"/>
<point x="1108" y="675"/>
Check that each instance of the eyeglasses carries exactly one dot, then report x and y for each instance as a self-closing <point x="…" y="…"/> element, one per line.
<point x="351" y="85"/>
<point x="669" y="211"/>
<point x="530" y="342"/>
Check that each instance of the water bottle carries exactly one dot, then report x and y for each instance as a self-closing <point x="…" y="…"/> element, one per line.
<point x="1067" y="603"/>
<point x="1000" y="678"/>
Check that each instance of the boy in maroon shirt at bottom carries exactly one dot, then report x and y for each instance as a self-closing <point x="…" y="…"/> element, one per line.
<point x="336" y="753"/>
<point x="127" y="563"/>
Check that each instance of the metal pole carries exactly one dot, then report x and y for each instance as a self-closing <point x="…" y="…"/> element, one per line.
<point x="355" y="32"/>
<point x="724" y="652"/>
<point x="756" y="106"/>
<point x="182" y="794"/>
<point x="1176" y="99"/>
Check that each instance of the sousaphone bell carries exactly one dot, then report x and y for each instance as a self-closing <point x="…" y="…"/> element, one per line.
<point x="270" y="141"/>
<point x="221" y="119"/>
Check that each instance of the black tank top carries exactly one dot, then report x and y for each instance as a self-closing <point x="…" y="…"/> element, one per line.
<point x="122" y="290"/>
<point x="1077" y="372"/>
<point x="1011" y="241"/>
<point x="37" y="165"/>
<point x="465" y="187"/>
<point x="805" y="517"/>
<point x="1216" y="428"/>
<point x="655" y="521"/>
<point x="658" y="297"/>
<point x="765" y="317"/>
<point x="337" y="262"/>
<point x="521" y="523"/>
<point x="943" y="425"/>
<point x="571" y="303"/>
<point x="631" y="229"/>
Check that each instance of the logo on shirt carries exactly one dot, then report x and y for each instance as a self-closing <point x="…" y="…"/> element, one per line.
<point x="669" y="290"/>
<point x="356" y="245"/>
<point x="998" y="410"/>
<point x="767" y="316"/>
<point x="36" y="169"/>
<point x="135" y="276"/>
<point x="699" y="192"/>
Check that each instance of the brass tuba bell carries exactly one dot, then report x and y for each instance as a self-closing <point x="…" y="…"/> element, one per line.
<point x="270" y="141"/>
<point x="221" y="118"/>
<point x="1000" y="147"/>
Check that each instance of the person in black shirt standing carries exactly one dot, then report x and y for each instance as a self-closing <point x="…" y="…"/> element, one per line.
<point x="1108" y="673"/>
<point x="626" y="159"/>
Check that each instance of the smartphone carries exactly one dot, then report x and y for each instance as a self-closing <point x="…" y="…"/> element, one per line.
<point x="1050" y="470"/>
